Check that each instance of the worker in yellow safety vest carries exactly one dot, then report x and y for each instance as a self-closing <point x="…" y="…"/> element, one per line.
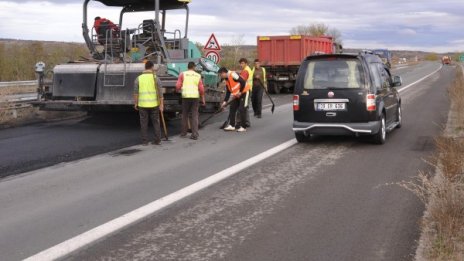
<point x="191" y="86"/>
<point x="259" y="85"/>
<point x="148" y="100"/>
<point x="247" y="75"/>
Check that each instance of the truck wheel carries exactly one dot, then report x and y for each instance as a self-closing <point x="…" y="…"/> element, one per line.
<point x="380" y="137"/>
<point x="276" y="88"/>
<point x="270" y="87"/>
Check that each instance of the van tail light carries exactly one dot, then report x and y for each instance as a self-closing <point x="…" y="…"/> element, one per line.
<point x="370" y="102"/>
<point x="296" y="102"/>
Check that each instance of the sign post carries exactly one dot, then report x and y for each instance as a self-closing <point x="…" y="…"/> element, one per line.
<point x="212" y="49"/>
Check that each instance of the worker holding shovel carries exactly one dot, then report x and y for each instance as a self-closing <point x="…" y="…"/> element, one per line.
<point x="148" y="100"/>
<point x="238" y="88"/>
<point x="259" y="86"/>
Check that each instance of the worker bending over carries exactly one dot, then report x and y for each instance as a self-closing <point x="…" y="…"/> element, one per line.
<point x="238" y="88"/>
<point x="148" y="100"/>
<point x="191" y="86"/>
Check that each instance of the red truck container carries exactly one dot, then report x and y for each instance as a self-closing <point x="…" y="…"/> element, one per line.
<point x="282" y="56"/>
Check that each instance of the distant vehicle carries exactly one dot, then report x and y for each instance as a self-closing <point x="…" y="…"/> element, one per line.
<point x="446" y="60"/>
<point x="385" y="55"/>
<point x="282" y="56"/>
<point x="105" y="81"/>
<point x="346" y="94"/>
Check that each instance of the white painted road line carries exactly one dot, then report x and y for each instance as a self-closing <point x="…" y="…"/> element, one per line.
<point x="102" y="231"/>
<point x="420" y="80"/>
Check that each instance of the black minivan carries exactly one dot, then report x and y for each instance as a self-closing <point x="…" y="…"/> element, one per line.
<point x="346" y="94"/>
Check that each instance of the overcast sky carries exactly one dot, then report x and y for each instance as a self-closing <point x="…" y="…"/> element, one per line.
<point x="428" y="25"/>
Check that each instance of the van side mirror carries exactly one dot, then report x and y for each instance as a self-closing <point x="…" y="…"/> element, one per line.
<point x="397" y="81"/>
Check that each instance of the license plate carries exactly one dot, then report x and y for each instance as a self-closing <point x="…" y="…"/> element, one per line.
<point x="332" y="106"/>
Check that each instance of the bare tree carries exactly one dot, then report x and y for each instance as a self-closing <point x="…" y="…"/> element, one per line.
<point x="237" y="42"/>
<point x="317" y="30"/>
<point x="336" y="35"/>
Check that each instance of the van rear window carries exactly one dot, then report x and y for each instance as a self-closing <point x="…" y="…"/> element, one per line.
<point x="338" y="73"/>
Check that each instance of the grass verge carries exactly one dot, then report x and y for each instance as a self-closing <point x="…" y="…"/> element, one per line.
<point x="442" y="226"/>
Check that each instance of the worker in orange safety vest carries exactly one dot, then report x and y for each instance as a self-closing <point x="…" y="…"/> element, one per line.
<point x="239" y="89"/>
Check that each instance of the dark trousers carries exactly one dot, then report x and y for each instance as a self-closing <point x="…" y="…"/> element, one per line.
<point x="247" y="114"/>
<point x="190" y="113"/>
<point x="238" y="105"/>
<point x="257" y="99"/>
<point x="145" y="115"/>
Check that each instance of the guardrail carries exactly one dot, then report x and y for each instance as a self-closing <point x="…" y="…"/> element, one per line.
<point x="18" y="84"/>
<point x="18" y="97"/>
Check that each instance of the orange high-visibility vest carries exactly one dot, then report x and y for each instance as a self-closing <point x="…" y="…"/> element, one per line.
<point x="234" y="86"/>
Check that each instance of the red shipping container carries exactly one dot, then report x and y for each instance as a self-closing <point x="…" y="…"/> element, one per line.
<point x="291" y="50"/>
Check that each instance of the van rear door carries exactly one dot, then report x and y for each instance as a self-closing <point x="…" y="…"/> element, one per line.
<point x="332" y="90"/>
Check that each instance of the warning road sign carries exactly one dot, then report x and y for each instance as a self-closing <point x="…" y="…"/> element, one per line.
<point x="212" y="44"/>
<point x="213" y="56"/>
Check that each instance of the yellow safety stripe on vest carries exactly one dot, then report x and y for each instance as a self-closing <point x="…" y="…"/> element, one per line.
<point x="148" y="96"/>
<point x="250" y="76"/>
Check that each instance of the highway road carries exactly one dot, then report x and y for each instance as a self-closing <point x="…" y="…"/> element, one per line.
<point x="323" y="200"/>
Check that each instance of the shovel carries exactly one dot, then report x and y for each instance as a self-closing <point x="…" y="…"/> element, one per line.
<point x="269" y="96"/>
<point x="164" y="127"/>
<point x="202" y="124"/>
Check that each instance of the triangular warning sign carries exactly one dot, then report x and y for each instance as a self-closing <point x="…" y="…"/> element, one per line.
<point x="212" y="44"/>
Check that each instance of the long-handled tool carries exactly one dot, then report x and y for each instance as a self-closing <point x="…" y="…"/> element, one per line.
<point x="202" y="124"/>
<point x="270" y="98"/>
<point x="164" y="127"/>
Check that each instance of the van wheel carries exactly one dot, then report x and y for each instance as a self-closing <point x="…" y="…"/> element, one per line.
<point x="301" y="137"/>
<point x="399" y="117"/>
<point x="380" y="137"/>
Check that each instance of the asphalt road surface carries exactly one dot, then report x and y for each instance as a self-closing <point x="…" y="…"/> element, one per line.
<point x="329" y="199"/>
<point x="47" y="144"/>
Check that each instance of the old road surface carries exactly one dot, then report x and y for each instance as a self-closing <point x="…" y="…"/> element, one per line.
<point x="323" y="200"/>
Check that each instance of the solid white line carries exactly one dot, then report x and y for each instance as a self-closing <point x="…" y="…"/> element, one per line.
<point x="86" y="238"/>
<point x="418" y="81"/>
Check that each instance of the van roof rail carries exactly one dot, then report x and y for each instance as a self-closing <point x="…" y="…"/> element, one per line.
<point x="366" y="52"/>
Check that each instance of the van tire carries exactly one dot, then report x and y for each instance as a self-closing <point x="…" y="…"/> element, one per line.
<point x="380" y="136"/>
<point x="301" y="137"/>
<point x="399" y="117"/>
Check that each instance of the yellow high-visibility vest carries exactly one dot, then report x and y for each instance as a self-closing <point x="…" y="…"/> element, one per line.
<point x="148" y="96"/>
<point x="190" y="85"/>
<point x="250" y="76"/>
<point x="264" y="73"/>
